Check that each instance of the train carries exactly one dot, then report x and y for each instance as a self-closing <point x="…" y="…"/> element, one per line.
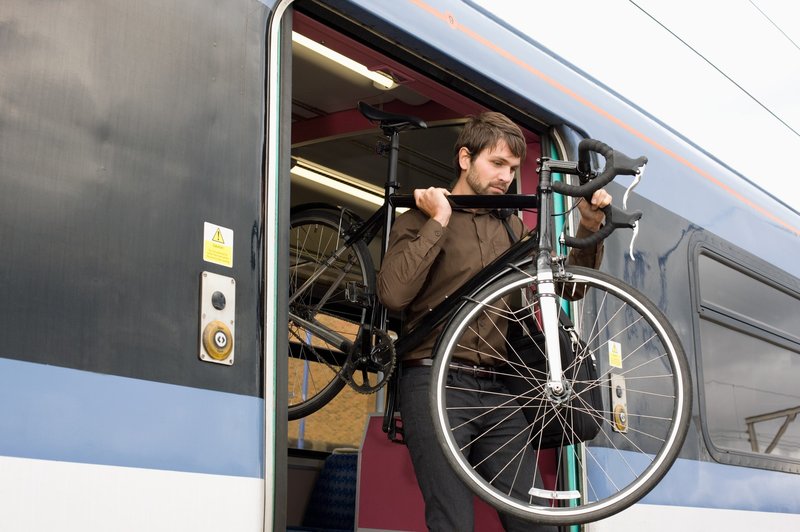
<point x="150" y="155"/>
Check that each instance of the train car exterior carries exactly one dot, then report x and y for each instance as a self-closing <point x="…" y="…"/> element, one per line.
<point x="145" y="159"/>
<point x="132" y="168"/>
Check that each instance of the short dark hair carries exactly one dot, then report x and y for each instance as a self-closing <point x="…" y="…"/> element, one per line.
<point x="483" y="131"/>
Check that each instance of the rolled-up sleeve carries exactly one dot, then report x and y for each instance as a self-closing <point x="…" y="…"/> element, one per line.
<point x="414" y="244"/>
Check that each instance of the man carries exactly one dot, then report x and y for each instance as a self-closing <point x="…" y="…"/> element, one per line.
<point x="434" y="250"/>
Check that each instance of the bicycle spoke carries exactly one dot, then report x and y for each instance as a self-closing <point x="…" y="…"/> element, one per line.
<point x="625" y="338"/>
<point x="322" y="316"/>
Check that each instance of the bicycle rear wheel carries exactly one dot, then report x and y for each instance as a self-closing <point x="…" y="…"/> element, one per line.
<point x="645" y="412"/>
<point x="330" y="296"/>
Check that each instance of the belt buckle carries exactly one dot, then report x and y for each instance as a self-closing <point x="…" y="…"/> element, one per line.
<point x="479" y="372"/>
<point x="473" y="370"/>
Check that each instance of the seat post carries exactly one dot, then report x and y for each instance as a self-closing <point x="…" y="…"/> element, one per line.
<point x="391" y="186"/>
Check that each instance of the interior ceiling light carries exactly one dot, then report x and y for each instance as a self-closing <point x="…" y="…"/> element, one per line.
<point x="380" y="80"/>
<point x="335" y="184"/>
<point x="357" y="189"/>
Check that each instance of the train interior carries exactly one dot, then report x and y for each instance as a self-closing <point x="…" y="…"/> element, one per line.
<point x="337" y="159"/>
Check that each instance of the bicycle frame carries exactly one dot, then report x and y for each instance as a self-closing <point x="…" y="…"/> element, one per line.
<point x="365" y="232"/>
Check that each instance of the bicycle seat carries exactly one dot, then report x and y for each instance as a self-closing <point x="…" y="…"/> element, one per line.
<point x="388" y="120"/>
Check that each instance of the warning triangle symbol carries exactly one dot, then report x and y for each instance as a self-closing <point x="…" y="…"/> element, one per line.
<point x="218" y="237"/>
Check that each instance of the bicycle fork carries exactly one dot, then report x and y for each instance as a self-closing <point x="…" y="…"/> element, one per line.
<point x="549" y="311"/>
<point x="545" y="284"/>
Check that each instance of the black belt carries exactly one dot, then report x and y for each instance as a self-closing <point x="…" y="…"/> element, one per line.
<point x="479" y="372"/>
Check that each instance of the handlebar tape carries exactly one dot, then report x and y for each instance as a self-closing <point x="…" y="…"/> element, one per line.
<point x="617" y="163"/>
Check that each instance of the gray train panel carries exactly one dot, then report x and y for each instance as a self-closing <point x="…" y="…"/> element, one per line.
<point x="126" y="128"/>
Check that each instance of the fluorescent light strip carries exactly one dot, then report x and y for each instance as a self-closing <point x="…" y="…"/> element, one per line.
<point x="383" y="81"/>
<point x="329" y="182"/>
<point x="335" y="184"/>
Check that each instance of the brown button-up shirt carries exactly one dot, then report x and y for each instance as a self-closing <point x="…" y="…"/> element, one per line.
<point x="426" y="262"/>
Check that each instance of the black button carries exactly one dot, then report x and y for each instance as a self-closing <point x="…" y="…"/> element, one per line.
<point x="218" y="300"/>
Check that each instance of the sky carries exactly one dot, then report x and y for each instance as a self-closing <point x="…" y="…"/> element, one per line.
<point x="723" y="73"/>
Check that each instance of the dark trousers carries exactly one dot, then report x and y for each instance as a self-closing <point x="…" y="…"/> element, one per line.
<point x="448" y="502"/>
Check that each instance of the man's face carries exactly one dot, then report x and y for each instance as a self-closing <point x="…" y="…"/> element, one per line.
<point x="493" y="170"/>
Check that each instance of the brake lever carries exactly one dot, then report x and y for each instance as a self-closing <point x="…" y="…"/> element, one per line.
<point x="637" y="178"/>
<point x="633" y="239"/>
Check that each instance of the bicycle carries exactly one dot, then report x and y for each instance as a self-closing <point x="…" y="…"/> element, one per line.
<point x="643" y="373"/>
<point x="335" y="321"/>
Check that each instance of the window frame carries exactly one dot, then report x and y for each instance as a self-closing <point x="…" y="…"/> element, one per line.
<point x="704" y="244"/>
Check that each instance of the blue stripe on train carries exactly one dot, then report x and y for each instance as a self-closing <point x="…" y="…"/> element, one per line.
<point x="707" y="484"/>
<point x="54" y="413"/>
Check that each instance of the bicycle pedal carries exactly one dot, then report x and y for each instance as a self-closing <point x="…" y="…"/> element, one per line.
<point x="358" y="294"/>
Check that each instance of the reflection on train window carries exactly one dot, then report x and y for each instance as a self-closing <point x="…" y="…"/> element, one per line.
<point x="741" y="296"/>
<point x="750" y="362"/>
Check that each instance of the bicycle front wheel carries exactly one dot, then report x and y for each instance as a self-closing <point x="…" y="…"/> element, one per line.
<point x="328" y="293"/>
<point x="500" y="442"/>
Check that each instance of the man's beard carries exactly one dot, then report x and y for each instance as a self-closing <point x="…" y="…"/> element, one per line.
<point x="475" y="183"/>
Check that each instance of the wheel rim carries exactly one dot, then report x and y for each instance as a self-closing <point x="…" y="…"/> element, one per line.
<point x="606" y="491"/>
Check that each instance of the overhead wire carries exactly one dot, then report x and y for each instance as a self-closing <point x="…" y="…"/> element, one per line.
<point x="774" y="24"/>
<point x="715" y="67"/>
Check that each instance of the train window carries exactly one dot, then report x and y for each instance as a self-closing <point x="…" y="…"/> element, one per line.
<point x="750" y="363"/>
<point x="743" y="297"/>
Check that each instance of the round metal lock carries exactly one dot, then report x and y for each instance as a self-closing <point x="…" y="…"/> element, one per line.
<point x="217" y="340"/>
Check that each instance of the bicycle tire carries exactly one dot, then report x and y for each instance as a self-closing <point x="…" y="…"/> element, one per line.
<point x="616" y="468"/>
<point x="316" y="366"/>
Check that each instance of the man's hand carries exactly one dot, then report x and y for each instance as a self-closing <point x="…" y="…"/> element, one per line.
<point x="591" y="215"/>
<point x="433" y="202"/>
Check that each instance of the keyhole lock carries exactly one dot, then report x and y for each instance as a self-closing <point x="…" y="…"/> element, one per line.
<point x="220" y="339"/>
<point x="620" y="419"/>
<point x="217" y="340"/>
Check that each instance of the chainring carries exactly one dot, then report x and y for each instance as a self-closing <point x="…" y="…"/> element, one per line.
<point x="379" y="366"/>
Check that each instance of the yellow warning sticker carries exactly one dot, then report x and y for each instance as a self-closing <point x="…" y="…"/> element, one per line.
<point x="615" y="354"/>
<point x="218" y="244"/>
